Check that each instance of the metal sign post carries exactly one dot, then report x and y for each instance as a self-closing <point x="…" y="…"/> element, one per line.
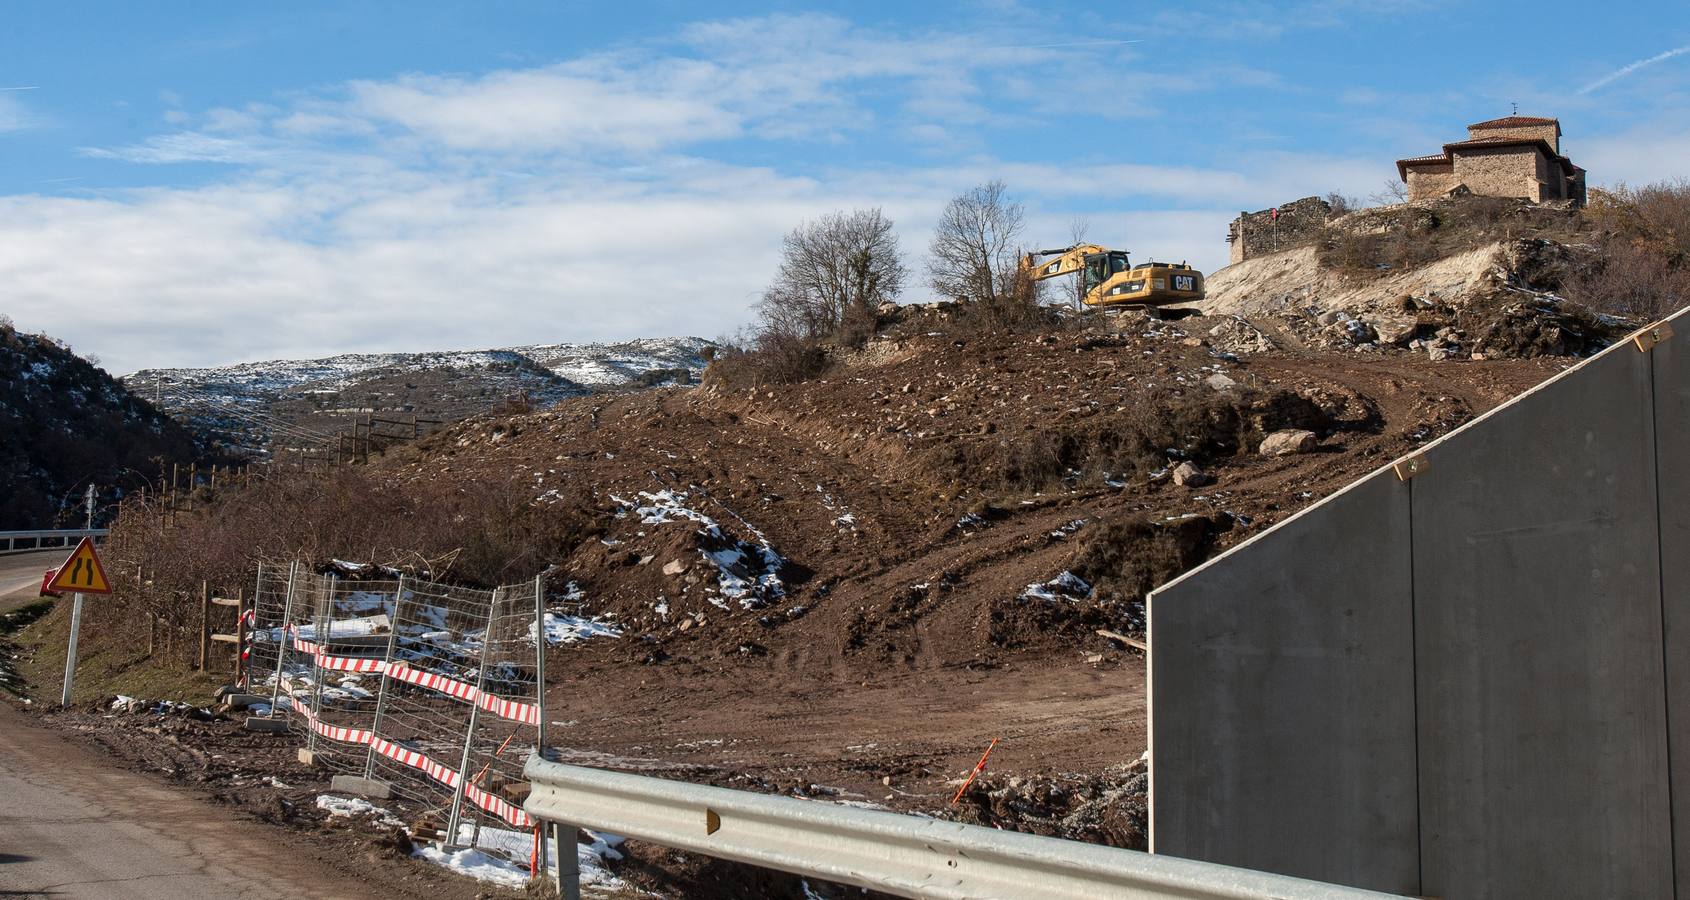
<point x="70" y="655"/>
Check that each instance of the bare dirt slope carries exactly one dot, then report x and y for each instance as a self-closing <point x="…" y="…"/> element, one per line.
<point x="1295" y="279"/>
<point x="898" y="513"/>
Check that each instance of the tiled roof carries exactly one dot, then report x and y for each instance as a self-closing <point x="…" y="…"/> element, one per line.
<point x="1494" y="141"/>
<point x="1515" y="121"/>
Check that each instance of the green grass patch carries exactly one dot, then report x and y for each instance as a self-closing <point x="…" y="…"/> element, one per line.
<point x="109" y="661"/>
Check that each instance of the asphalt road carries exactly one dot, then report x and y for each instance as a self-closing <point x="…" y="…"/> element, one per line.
<point x="20" y="575"/>
<point x="72" y="826"/>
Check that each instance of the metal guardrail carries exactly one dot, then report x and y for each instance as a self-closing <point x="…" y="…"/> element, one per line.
<point x="51" y="539"/>
<point x="909" y="856"/>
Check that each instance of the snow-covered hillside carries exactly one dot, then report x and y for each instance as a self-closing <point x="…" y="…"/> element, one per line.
<point x="257" y="406"/>
<point x="584" y="364"/>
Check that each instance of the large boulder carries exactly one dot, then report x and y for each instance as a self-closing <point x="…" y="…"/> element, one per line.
<point x="1289" y="442"/>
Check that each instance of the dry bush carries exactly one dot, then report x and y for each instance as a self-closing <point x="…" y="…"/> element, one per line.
<point x="770" y="357"/>
<point x="1339" y="204"/>
<point x="1201" y="426"/>
<point x="1354" y="253"/>
<point x="1127" y="558"/>
<point x="475" y="533"/>
<point x="1643" y="267"/>
<point x="1017" y="307"/>
<point x="1633" y="280"/>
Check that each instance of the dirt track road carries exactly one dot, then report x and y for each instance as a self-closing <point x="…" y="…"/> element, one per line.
<point x="73" y="826"/>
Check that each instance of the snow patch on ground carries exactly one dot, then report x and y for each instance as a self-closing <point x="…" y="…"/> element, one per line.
<point x="746" y="571"/>
<point x="501" y="856"/>
<point x="353" y="807"/>
<point x="476" y="864"/>
<point x="563" y="629"/>
<point x="1066" y="586"/>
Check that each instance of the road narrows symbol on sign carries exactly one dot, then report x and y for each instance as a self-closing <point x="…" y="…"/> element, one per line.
<point x="82" y="573"/>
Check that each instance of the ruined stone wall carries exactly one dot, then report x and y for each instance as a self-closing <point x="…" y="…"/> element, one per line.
<point x="1298" y="224"/>
<point x="1503" y="172"/>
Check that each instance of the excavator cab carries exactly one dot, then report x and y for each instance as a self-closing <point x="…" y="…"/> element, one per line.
<point x="1100" y="267"/>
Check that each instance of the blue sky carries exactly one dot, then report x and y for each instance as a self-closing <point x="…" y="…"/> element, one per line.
<point x="198" y="183"/>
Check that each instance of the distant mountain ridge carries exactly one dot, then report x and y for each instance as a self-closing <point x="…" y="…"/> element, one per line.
<point x="259" y="407"/>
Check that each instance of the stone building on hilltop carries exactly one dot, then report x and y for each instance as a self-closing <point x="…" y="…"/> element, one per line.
<point x="1515" y="156"/>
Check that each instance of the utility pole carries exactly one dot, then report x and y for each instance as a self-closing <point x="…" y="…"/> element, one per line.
<point x="90" y="507"/>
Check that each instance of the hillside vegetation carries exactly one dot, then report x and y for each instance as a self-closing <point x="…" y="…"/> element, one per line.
<point x="65" y="424"/>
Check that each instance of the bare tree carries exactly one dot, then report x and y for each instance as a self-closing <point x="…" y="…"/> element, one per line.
<point x="1078" y="228"/>
<point x="1395" y="191"/>
<point x="1338" y="204"/>
<point x="834" y="273"/>
<point x="973" y="254"/>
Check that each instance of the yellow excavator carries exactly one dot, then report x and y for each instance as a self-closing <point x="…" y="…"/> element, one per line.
<point x="1108" y="277"/>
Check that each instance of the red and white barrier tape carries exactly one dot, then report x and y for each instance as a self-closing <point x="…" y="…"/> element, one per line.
<point x="423" y="763"/>
<point x="514" y="710"/>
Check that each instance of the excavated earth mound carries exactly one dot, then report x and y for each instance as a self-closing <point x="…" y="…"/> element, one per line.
<point x="847" y="587"/>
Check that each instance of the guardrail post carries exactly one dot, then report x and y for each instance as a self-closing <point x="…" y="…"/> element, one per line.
<point x="474" y="717"/>
<point x="386" y="682"/>
<point x="565" y="838"/>
<point x="284" y="637"/>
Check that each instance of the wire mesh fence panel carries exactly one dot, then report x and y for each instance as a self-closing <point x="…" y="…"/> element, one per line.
<point x="351" y="636"/>
<point x="427" y="704"/>
<point x="433" y="689"/>
<point x="265" y="627"/>
<point x="296" y="672"/>
<point x="507" y="728"/>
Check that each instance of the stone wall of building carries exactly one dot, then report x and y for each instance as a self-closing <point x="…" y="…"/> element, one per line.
<point x="1502" y="172"/>
<point x="1431" y="182"/>
<point x="1529" y="132"/>
<point x="1298" y="223"/>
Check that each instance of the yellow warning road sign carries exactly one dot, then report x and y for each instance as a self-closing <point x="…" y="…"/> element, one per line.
<point x="82" y="573"/>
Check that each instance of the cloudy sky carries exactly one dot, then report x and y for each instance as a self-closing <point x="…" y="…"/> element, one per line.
<point x="199" y="183"/>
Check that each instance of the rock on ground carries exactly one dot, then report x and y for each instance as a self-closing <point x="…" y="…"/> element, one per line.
<point x="1289" y="442"/>
<point x="1188" y="475"/>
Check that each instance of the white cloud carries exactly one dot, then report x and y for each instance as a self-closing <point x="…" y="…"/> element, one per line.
<point x="14" y="115"/>
<point x="577" y="201"/>
<point x="1625" y="70"/>
<point x="547" y="109"/>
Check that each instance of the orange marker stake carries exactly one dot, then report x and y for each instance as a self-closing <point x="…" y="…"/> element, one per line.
<point x="978" y="768"/>
<point x="483" y="773"/>
<point x="534" y="855"/>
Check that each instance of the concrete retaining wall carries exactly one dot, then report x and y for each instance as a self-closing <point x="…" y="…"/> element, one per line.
<point x="1455" y="685"/>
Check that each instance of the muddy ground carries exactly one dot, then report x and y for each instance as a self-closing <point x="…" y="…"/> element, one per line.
<point x="847" y="588"/>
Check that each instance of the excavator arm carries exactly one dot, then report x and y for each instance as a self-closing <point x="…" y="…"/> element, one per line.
<point x="1068" y="260"/>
